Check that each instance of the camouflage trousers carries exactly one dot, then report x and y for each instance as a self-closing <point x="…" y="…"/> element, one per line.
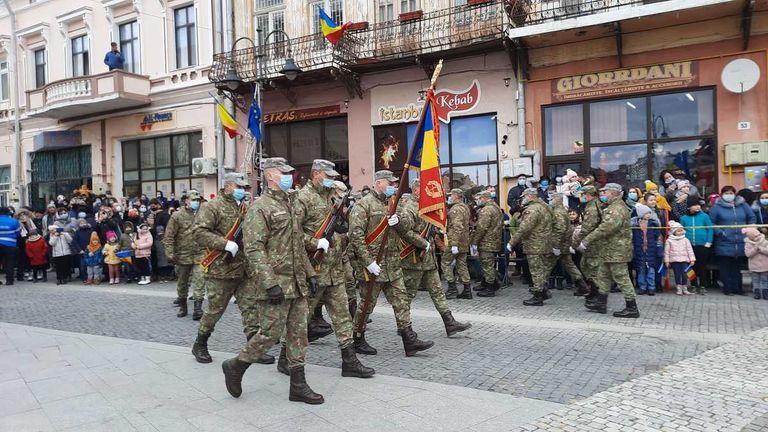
<point x="566" y="260"/>
<point x="287" y="320"/>
<point x="488" y="266"/>
<point x="350" y="284"/>
<point x="541" y="266"/>
<point x="190" y="274"/>
<point x="220" y="292"/>
<point x="609" y="273"/>
<point x="396" y="295"/>
<point x="430" y="279"/>
<point x="589" y="267"/>
<point x="461" y="266"/>
<point x="334" y="297"/>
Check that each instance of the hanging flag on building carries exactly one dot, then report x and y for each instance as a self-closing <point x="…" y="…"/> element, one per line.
<point x="254" y="119"/>
<point x="426" y="159"/>
<point x="332" y="31"/>
<point x="227" y="122"/>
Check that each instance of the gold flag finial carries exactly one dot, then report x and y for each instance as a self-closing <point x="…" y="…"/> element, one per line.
<point x="436" y="73"/>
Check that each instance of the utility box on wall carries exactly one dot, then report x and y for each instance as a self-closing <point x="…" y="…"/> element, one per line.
<point x="751" y="153"/>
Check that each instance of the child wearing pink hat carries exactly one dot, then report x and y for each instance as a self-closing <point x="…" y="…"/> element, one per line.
<point x="756" y="250"/>
<point x="678" y="252"/>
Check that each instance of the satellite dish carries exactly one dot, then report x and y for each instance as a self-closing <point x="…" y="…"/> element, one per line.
<point x="740" y="75"/>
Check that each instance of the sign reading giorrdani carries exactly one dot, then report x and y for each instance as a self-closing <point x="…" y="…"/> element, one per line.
<point x="626" y="81"/>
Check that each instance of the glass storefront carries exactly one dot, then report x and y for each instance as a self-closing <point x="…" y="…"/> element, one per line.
<point x="58" y="172"/>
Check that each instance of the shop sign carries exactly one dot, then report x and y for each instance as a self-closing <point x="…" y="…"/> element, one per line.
<point x="626" y="81"/>
<point x="448" y="103"/>
<point x="301" y="114"/>
<point x="53" y="140"/>
<point x="158" y="120"/>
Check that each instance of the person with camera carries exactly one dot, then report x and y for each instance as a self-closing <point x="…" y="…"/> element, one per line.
<point x="60" y="242"/>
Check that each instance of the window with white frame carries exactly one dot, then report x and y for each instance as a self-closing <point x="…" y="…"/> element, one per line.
<point x="408" y="5"/>
<point x="269" y="22"/>
<point x="129" y="46"/>
<point x="186" y="37"/>
<point x="386" y="11"/>
<point x="40" y="67"/>
<point x="4" y="88"/>
<point x="334" y="9"/>
<point x="80" y="58"/>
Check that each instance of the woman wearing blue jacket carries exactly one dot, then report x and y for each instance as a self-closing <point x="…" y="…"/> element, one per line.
<point x="730" y="209"/>
<point x="695" y="223"/>
<point x="647" y="249"/>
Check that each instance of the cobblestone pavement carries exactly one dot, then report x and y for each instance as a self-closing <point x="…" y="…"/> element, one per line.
<point x="558" y="353"/>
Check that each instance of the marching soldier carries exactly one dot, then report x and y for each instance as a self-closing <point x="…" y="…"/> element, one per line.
<point x="367" y="224"/>
<point x="535" y="234"/>
<point x="563" y="230"/>
<point x="182" y="251"/>
<point x="613" y="238"/>
<point x="488" y="239"/>
<point x="349" y="276"/>
<point x="314" y="207"/>
<point x="216" y="230"/>
<point x="420" y="265"/>
<point x="590" y="258"/>
<point x="457" y="246"/>
<point x="282" y="277"/>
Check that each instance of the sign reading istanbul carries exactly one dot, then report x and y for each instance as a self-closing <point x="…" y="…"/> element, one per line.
<point x="624" y="81"/>
<point x="449" y="102"/>
<point x="301" y="114"/>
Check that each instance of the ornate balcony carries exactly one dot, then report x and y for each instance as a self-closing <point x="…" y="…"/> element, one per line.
<point x="90" y="94"/>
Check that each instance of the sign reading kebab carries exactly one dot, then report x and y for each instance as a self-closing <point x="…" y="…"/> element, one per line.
<point x="447" y="103"/>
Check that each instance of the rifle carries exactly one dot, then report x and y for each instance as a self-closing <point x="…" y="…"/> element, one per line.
<point x="328" y="227"/>
<point x="431" y="231"/>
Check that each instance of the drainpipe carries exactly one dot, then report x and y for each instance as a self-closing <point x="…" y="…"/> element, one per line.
<point x="16" y="110"/>
<point x="524" y="151"/>
<point x="216" y="6"/>
<point x="230" y="144"/>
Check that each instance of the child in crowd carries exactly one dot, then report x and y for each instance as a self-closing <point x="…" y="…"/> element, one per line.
<point x="126" y="244"/>
<point x="93" y="257"/>
<point x="678" y="252"/>
<point x="61" y="251"/>
<point x="646" y="246"/>
<point x="110" y="257"/>
<point x="696" y="224"/>
<point x="756" y="250"/>
<point x="37" y="252"/>
<point x="143" y="246"/>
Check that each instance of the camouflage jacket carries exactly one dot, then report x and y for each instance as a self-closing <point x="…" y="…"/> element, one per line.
<point x="212" y="223"/>
<point x="489" y="228"/>
<point x="365" y="217"/>
<point x="458" y="227"/>
<point x="562" y="230"/>
<point x="180" y="245"/>
<point x="535" y="230"/>
<point x="613" y="237"/>
<point x="591" y="216"/>
<point x="408" y="211"/>
<point x="312" y="205"/>
<point x="274" y="246"/>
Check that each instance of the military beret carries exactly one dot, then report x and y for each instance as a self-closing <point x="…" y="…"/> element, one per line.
<point x="325" y="166"/>
<point x="235" y="177"/>
<point x="612" y="187"/>
<point x="531" y="191"/>
<point x="279" y="163"/>
<point x="384" y="175"/>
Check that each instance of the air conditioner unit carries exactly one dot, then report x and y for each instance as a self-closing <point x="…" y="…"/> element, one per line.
<point x="204" y="166"/>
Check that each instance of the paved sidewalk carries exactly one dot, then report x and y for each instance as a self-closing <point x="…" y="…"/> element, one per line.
<point x="53" y="380"/>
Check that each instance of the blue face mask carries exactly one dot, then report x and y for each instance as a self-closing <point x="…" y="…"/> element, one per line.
<point x="450" y="200"/>
<point x="328" y="183"/>
<point x="763" y="202"/>
<point x="632" y="196"/>
<point x="729" y="198"/>
<point x="286" y="182"/>
<point x="544" y="184"/>
<point x="493" y="194"/>
<point x="238" y="194"/>
<point x="604" y="199"/>
<point x="194" y="205"/>
<point x="389" y="191"/>
<point x="583" y="199"/>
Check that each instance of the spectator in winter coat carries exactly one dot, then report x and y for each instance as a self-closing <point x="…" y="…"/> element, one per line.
<point x="680" y="201"/>
<point x="515" y="193"/>
<point x="9" y="234"/>
<point x="126" y="244"/>
<point x="109" y="251"/>
<point x="678" y="253"/>
<point x="25" y="218"/>
<point x="80" y="240"/>
<point x="142" y="246"/>
<point x="37" y="253"/>
<point x="760" y="207"/>
<point x="60" y="250"/>
<point x="647" y="252"/>
<point x="756" y="250"/>
<point x="48" y="218"/>
<point x="93" y="258"/>
<point x="701" y="238"/>
<point x="729" y="242"/>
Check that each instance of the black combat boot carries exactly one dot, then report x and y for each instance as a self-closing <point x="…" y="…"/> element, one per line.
<point x="300" y="391"/>
<point x="452" y="292"/>
<point x="412" y="344"/>
<point x="182" y="309"/>
<point x="630" y="310"/>
<point x="282" y="362"/>
<point x="536" y="300"/>
<point x="496" y="285"/>
<point x="466" y="293"/>
<point x="362" y="347"/>
<point x="234" y="369"/>
<point x="200" y="348"/>
<point x="451" y="325"/>
<point x="486" y="290"/>
<point x="317" y="318"/>
<point x="582" y="288"/>
<point x="177" y="301"/>
<point x="197" y="313"/>
<point x="351" y="366"/>
<point x="317" y="332"/>
<point x="265" y="358"/>
<point x="600" y="304"/>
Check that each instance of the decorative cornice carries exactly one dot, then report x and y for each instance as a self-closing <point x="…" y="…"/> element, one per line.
<point x="84" y="13"/>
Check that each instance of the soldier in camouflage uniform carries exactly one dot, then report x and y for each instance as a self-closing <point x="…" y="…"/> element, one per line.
<point x="367" y="223"/>
<point x="488" y="239"/>
<point x="591" y="216"/>
<point x="535" y="234"/>
<point x="182" y="250"/>
<point x="226" y="275"/>
<point x="349" y="276"/>
<point x="457" y="246"/>
<point x="279" y="271"/>
<point x="563" y="233"/>
<point x="613" y="239"/>
<point x="420" y="265"/>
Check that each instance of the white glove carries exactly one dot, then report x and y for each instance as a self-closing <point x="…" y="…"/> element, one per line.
<point x="571" y="250"/>
<point x="393" y="220"/>
<point x="455" y="250"/>
<point x="231" y="247"/>
<point x="582" y="247"/>
<point x="373" y="268"/>
<point x="323" y="244"/>
<point x="509" y="248"/>
<point x="429" y="246"/>
<point x="706" y="245"/>
<point x="556" y="251"/>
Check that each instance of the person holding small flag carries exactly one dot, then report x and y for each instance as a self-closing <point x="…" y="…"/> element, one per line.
<point x="678" y="253"/>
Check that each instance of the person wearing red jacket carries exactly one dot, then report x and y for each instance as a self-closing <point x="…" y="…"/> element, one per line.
<point x="37" y="252"/>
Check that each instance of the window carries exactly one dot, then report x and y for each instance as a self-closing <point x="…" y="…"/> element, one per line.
<point x="5" y="178"/>
<point x="186" y="38"/>
<point x="4" y="88"/>
<point x="80" y="60"/>
<point x="564" y="127"/>
<point x="617" y="120"/>
<point x="334" y="9"/>
<point x="386" y="10"/>
<point x="269" y="22"/>
<point x="408" y="6"/>
<point x="59" y="172"/>
<point x="129" y="46"/>
<point x="40" y="69"/>
<point x="160" y="163"/>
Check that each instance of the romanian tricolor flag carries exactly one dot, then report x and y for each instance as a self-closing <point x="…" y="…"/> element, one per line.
<point x="426" y="159"/>
<point x="331" y="30"/>
<point x="229" y="124"/>
<point x="691" y="274"/>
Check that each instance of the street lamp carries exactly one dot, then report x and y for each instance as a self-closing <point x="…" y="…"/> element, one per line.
<point x="232" y="81"/>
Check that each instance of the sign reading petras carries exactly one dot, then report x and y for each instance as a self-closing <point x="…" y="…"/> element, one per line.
<point x="626" y="81"/>
<point x="301" y="114"/>
<point x="449" y="102"/>
<point x="150" y="120"/>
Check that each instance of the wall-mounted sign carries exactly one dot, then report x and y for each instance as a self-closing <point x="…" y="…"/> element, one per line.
<point x="155" y="121"/>
<point x="57" y="140"/>
<point x="448" y="102"/>
<point x="301" y="114"/>
<point x="626" y="81"/>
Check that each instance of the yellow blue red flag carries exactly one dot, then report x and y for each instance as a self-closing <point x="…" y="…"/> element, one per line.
<point x="332" y="31"/>
<point x="426" y="159"/>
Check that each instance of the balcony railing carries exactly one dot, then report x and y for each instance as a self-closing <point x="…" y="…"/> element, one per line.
<point x="436" y="31"/>
<point x="532" y="12"/>
<point x="65" y="90"/>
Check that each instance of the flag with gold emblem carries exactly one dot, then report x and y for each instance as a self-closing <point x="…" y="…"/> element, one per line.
<point x="426" y="159"/>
